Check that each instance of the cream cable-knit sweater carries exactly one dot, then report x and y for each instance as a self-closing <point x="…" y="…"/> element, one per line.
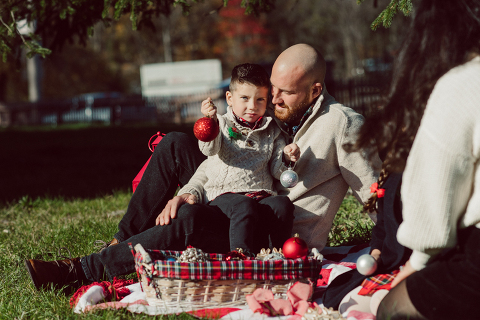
<point x="242" y="165"/>
<point x="441" y="183"/>
<point x="325" y="169"/>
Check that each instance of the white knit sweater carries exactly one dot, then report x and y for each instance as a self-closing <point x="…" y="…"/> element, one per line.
<point x="441" y="183"/>
<point x="242" y="165"/>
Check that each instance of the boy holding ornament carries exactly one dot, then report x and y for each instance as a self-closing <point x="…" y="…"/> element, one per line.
<point x="243" y="160"/>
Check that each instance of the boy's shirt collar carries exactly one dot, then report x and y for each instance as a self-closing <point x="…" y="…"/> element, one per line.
<point x="245" y="123"/>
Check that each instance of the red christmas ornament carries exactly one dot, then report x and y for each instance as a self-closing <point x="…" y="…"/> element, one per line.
<point x="206" y="129"/>
<point x="236" y="255"/>
<point x="295" y="247"/>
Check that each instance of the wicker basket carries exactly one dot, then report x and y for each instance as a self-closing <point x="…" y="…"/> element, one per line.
<point x="174" y="284"/>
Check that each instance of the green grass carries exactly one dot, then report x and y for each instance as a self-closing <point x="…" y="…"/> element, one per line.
<point x="47" y="205"/>
<point x="39" y="228"/>
<point x="351" y="226"/>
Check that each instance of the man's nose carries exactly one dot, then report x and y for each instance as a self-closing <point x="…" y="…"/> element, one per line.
<point x="276" y="97"/>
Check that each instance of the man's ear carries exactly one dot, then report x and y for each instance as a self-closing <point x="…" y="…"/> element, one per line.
<point x="229" y="97"/>
<point x="317" y="89"/>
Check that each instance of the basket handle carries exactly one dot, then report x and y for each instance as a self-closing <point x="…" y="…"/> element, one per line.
<point x="145" y="255"/>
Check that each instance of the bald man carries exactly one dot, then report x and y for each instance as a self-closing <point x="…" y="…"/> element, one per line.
<point x="320" y="126"/>
<point x="306" y="113"/>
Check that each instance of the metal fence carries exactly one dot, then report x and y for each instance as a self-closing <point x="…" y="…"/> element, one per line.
<point x="361" y="94"/>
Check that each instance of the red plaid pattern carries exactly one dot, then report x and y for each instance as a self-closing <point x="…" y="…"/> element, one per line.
<point x="378" y="282"/>
<point x="219" y="269"/>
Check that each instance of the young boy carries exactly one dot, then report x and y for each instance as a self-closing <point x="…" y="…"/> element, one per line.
<point x="242" y="162"/>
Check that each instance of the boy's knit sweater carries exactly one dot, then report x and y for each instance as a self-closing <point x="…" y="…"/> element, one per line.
<point x="441" y="183"/>
<point x="239" y="165"/>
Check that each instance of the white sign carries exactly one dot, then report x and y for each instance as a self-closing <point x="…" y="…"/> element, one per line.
<point x="180" y="78"/>
<point x="25" y="28"/>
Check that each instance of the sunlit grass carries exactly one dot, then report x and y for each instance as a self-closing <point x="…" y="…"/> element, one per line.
<point x="38" y="228"/>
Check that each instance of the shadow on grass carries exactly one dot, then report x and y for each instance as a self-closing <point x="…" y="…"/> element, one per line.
<point x="73" y="161"/>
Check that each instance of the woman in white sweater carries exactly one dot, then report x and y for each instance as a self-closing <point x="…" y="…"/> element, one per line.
<point x="435" y="103"/>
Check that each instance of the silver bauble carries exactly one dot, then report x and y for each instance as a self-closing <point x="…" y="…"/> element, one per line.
<point x="366" y="264"/>
<point x="289" y="178"/>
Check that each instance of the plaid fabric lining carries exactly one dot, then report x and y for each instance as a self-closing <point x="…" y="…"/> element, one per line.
<point x="255" y="195"/>
<point x="378" y="282"/>
<point x="219" y="269"/>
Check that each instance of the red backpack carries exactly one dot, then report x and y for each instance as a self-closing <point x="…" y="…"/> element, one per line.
<point x="151" y="145"/>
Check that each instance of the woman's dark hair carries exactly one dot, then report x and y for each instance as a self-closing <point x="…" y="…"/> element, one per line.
<point x="249" y="73"/>
<point x="442" y="35"/>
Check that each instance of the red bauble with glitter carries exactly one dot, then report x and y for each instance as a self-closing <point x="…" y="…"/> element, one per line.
<point x="295" y="248"/>
<point x="206" y="129"/>
<point x="235" y="255"/>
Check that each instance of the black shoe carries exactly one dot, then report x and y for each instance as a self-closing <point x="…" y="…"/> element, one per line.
<point x="59" y="273"/>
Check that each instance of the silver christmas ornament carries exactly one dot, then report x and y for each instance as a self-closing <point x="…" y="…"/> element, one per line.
<point x="366" y="264"/>
<point x="193" y="255"/>
<point x="289" y="178"/>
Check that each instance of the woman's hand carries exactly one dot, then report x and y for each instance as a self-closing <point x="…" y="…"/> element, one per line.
<point x="291" y="152"/>
<point x="170" y="210"/>
<point x="209" y="109"/>
<point x="376" y="254"/>
<point x="404" y="273"/>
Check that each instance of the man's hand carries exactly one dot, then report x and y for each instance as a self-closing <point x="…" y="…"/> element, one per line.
<point x="404" y="273"/>
<point x="170" y="210"/>
<point x="209" y="109"/>
<point x="291" y="152"/>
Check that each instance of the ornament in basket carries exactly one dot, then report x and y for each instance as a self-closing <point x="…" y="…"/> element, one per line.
<point x="216" y="282"/>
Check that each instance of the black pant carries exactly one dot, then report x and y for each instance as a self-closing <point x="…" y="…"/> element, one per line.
<point x="173" y="163"/>
<point x="251" y="222"/>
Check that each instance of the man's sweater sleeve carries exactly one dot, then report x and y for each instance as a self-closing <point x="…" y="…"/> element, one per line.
<point x="196" y="183"/>
<point x="359" y="169"/>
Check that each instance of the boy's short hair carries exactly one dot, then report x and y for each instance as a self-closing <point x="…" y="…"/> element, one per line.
<point x="249" y="73"/>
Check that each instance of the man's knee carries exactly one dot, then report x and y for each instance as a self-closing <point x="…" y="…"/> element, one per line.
<point x="175" y="138"/>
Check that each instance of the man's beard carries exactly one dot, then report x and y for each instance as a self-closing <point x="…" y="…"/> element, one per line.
<point x="292" y="114"/>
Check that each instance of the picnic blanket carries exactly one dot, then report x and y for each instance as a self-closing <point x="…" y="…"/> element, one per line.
<point x="337" y="260"/>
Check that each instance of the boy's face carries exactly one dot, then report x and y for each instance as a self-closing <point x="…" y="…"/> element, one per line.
<point x="248" y="101"/>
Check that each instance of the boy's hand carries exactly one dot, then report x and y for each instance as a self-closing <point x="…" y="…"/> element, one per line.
<point x="209" y="109"/>
<point x="292" y="152"/>
<point x="170" y="210"/>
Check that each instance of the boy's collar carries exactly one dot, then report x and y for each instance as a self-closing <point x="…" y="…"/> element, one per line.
<point x="245" y="123"/>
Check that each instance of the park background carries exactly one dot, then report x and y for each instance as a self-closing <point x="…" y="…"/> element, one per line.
<point x="40" y="157"/>
<point x="68" y="184"/>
